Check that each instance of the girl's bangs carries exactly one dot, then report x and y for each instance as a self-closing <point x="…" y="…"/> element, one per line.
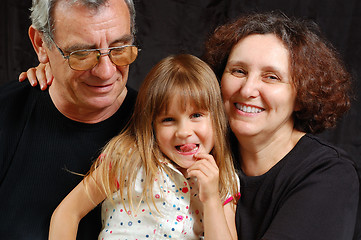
<point x="188" y="93"/>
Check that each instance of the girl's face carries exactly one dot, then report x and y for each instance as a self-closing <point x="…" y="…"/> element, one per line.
<point x="257" y="88"/>
<point x="183" y="132"/>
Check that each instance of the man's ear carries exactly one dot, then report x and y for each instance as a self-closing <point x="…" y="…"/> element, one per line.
<point x="38" y="44"/>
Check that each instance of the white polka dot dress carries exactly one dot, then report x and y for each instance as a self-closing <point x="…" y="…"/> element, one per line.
<point x="179" y="217"/>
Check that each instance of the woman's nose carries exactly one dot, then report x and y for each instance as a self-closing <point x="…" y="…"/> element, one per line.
<point x="249" y="87"/>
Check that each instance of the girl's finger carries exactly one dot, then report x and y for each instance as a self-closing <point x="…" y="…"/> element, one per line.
<point x="205" y="167"/>
<point x="207" y="157"/>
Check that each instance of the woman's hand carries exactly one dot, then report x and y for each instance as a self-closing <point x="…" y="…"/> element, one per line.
<point x="41" y="74"/>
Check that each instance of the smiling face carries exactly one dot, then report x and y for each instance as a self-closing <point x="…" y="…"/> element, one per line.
<point x="103" y="87"/>
<point x="183" y="131"/>
<point x="257" y="88"/>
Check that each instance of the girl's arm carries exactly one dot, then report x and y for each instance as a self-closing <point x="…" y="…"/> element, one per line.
<point x="79" y="202"/>
<point x="219" y="220"/>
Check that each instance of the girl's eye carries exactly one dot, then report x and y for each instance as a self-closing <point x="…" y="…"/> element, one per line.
<point x="168" y="119"/>
<point x="196" y="115"/>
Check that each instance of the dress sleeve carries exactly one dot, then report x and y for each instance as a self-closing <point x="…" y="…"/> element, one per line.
<point x="229" y="196"/>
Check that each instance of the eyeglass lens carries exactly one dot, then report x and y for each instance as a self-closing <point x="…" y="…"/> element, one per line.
<point x="85" y="60"/>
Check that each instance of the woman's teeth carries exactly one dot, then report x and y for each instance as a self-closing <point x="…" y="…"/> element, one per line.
<point x="248" y="109"/>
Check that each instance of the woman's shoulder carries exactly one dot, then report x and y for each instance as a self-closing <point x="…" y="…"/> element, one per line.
<point x="311" y="148"/>
<point x="313" y="156"/>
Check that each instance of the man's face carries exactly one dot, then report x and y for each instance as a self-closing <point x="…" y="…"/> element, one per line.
<point x="101" y="88"/>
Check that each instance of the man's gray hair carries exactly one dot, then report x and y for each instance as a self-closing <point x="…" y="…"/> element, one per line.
<point x="42" y="14"/>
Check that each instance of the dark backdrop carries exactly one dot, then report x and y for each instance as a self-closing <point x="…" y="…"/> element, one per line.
<point x="172" y="26"/>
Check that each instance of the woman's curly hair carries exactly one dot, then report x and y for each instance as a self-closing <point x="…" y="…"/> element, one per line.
<point x="322" y="82"/>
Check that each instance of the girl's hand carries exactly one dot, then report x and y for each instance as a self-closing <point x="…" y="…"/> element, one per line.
<point x="206" y="171"/>
<point x="219" y="220"/>
<point x="41" y="73"/>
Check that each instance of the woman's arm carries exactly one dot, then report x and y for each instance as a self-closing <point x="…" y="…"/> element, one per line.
<point x="219" y="220"/>
<point x="79" y="202"/>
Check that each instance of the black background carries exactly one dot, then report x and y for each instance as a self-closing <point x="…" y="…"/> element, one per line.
<point x="174" y="26"/>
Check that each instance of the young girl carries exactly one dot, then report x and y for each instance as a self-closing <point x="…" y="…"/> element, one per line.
<point x="169" y="175"/>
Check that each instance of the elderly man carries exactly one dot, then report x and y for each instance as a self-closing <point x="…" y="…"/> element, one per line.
<point x="47" y="137"/>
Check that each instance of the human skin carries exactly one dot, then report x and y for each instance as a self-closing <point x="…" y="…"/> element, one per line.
<point x="259" y="99"/>
<point x="96" y="94"/>
<point x="183" y="133"/>
<point x="186" y="137"/>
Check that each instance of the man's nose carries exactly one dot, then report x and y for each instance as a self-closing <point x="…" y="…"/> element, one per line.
<point x="105" y="68"/>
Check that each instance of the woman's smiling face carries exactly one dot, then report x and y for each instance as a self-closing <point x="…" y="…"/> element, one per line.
<point x="257" y="88"/>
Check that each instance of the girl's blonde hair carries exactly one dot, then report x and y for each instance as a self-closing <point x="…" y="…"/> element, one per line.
<point x="181" y="75"/>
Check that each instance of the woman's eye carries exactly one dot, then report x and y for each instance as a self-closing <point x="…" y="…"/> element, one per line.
<point x="238" y="72"/>
<point x="271" y="78"/>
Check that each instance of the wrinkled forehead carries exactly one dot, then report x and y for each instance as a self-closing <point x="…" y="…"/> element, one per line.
<point x="107" y="21"/>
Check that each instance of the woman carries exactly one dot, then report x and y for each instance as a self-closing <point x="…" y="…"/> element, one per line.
<point x="281" y="83"/>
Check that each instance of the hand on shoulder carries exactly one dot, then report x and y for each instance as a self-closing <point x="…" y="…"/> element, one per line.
<point x="41" y="74"/>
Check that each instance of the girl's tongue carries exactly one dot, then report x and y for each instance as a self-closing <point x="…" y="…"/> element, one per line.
<point x="187" y="147"/>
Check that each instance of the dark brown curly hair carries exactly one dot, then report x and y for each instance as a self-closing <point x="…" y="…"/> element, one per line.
<point x="322" y="82"/>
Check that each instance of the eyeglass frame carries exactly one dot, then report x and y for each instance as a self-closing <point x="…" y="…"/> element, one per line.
<point x="93" y="50"/>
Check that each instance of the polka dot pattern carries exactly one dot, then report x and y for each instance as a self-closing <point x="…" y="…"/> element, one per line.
<point x="176" y="199"/>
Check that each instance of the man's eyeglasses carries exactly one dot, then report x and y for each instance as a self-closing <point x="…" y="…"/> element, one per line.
<point x="88" y="58"/>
